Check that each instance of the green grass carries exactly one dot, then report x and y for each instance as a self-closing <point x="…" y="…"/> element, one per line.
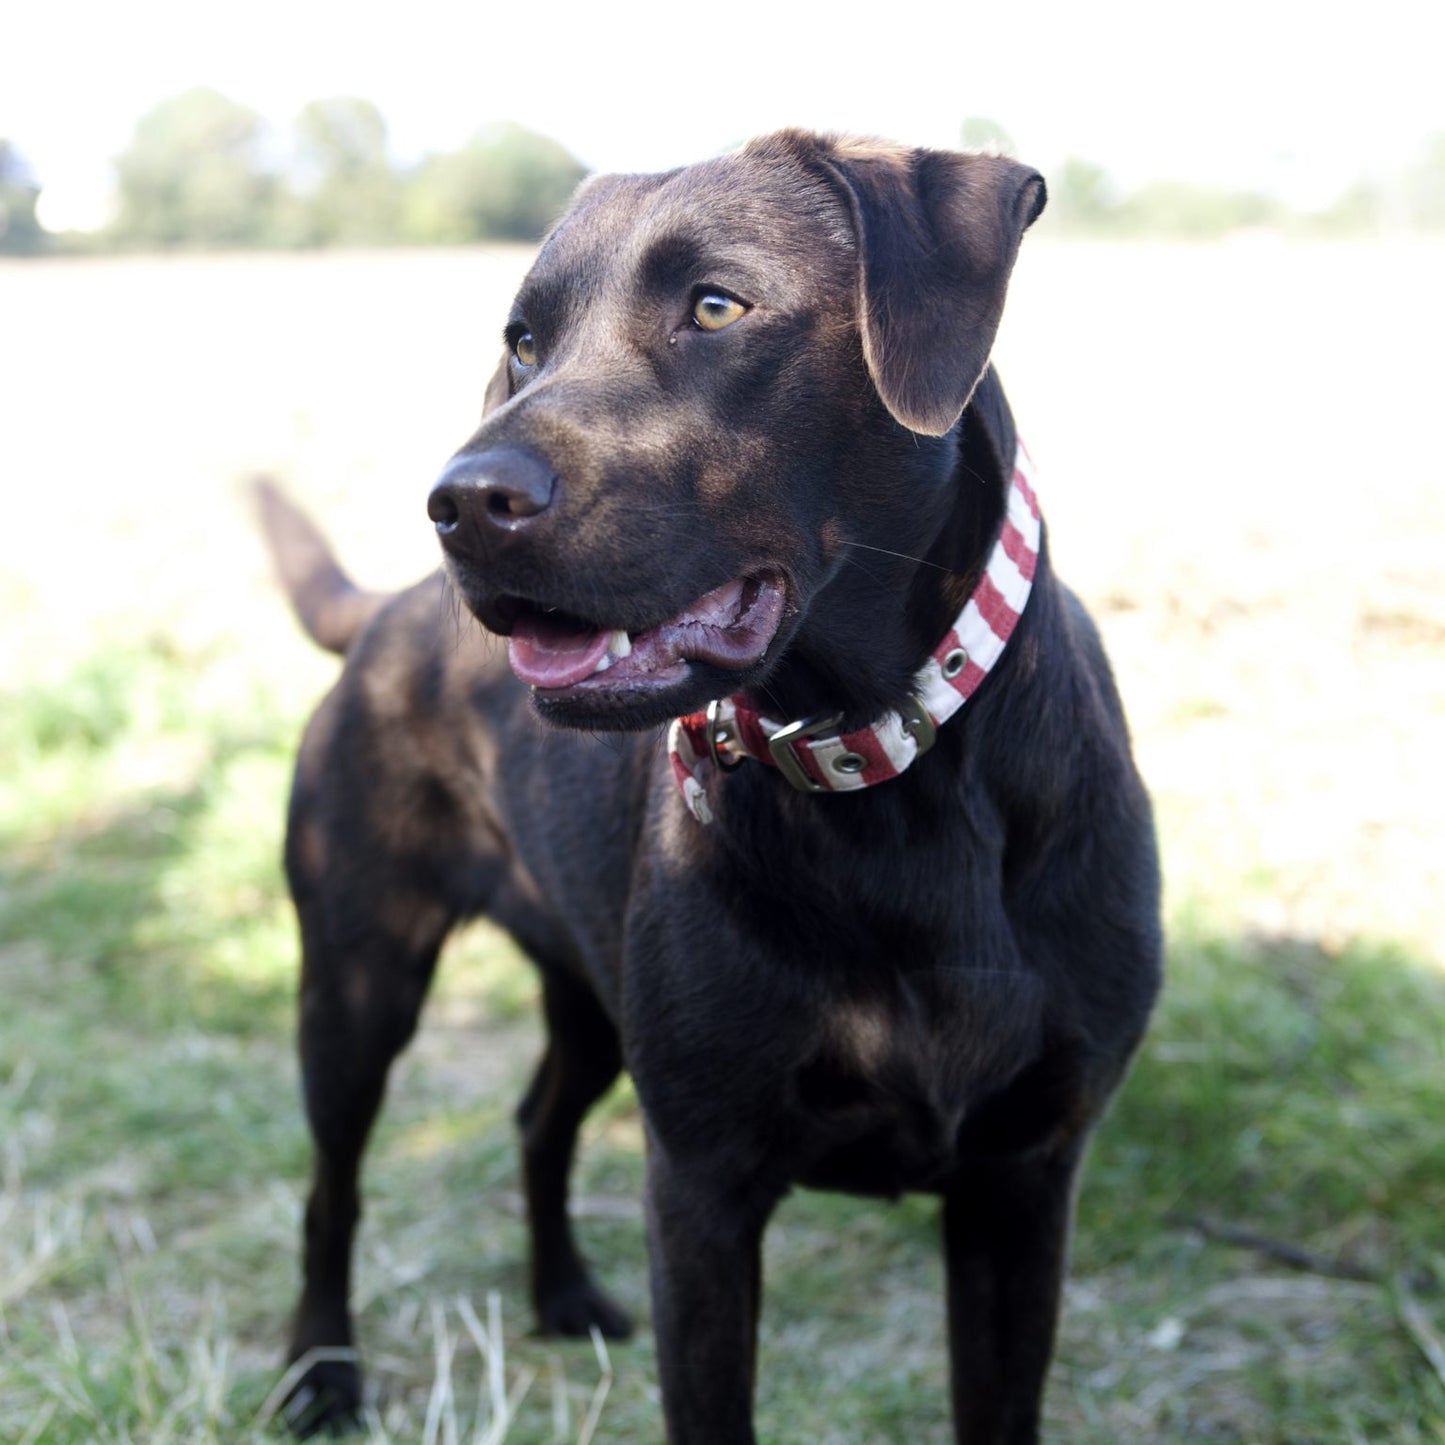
<point x="153" y="1158"/>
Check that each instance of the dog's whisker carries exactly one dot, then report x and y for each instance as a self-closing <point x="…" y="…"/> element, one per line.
<point x="449" y="605"/>
<point x="906" y="556"/>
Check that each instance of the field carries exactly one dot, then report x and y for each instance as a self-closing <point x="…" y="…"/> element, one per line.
<point x="1241" y="469"/>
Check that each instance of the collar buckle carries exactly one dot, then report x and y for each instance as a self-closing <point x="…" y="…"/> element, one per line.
<point x="780" y="745"/>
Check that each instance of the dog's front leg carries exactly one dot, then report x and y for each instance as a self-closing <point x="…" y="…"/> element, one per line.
<point x="1005" y="1235"/>
<point x="704" y="1241"/>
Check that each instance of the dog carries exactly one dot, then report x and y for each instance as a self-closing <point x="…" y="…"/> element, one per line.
<point x="807" y="789"/>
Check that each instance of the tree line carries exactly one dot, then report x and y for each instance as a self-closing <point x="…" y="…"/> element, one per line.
<point x="1086" y="201"/>
<point x="203" y="171"/>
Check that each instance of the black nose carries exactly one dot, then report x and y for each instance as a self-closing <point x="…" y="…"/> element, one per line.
<point x="504" y="488"/>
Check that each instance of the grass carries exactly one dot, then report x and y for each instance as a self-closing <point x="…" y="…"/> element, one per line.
<point x="155" y="1158"/>
<point x="1267" y="573"/>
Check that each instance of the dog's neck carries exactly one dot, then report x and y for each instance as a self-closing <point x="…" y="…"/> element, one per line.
<point x="987" y="449"/>
<point x="822" y="751"/>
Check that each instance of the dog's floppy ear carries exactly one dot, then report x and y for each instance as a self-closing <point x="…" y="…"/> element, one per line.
<point x="937" y="233"/>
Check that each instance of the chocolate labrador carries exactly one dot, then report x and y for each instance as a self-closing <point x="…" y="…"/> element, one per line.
<point x="802" y="779"/>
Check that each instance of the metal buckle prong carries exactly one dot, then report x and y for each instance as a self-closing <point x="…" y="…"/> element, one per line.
<point x="780" y="746"/>
<point x="917" y="722"/>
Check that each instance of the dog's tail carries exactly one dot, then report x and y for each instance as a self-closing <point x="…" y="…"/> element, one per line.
<point x="331" y="607"/>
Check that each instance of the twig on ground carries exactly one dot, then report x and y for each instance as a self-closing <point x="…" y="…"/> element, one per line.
<point x="1283" y="1250"/>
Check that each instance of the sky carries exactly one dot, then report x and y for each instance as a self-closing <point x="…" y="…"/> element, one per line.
<point x="1297" y="98"/>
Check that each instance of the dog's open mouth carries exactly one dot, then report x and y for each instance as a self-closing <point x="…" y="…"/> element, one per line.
<point x="729" y="627"/>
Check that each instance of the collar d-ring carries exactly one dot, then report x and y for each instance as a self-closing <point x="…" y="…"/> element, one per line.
<point x="719" y="736"/>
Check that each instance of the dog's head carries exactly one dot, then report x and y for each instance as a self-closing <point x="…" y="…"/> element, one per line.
<point x="717" y="381"/>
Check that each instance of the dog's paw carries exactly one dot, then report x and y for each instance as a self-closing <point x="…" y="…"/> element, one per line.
<point x="326" y="1401"/>
<point x="576" y="1308"/>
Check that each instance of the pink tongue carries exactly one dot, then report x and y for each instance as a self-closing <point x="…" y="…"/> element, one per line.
<point x="546" y="654"/>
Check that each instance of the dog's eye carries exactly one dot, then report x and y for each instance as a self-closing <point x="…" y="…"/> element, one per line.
<point x="525" y="349"/>
<point x="713" y="311"/>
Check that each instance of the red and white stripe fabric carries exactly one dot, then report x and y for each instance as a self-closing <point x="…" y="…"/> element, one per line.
<point x="844" y="762"/>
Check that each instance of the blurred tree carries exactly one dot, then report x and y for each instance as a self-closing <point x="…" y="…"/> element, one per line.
<point x="344" y="135"/>
<point x="508" y="183"/>
<point x="1184" y="211"/>
<point x="347" y="191"/>
<point x="1359" y="210"/>
<point x="20" y="232"/>
<point x="980" y="133"/>
<point x="1084" y="201"/>
<point x="1082" y="198"/>
<point x="196" y="173"/>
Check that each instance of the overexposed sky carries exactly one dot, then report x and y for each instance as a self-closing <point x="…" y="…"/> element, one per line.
<point x="1297" y="97"/>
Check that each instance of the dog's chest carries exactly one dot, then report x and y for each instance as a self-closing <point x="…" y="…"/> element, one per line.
<point x="884" y="1095"/>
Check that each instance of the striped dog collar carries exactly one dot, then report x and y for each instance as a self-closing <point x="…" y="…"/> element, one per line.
<point x="811" y="753"/>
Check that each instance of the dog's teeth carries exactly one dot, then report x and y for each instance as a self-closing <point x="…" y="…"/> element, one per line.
<point x="619" y="645"/>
